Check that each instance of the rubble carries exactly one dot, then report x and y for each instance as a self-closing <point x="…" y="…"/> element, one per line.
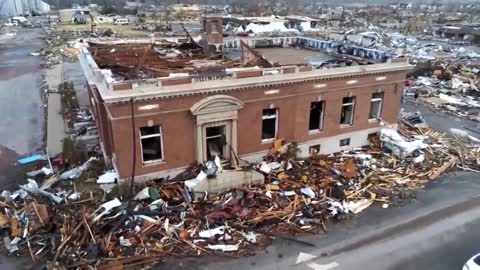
<point x="414" y="119"/>
<point x="55" y="223"/>
<point x="452" y="90"/>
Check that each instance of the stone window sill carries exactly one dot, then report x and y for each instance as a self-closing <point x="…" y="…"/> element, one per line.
<point x="153" y="163"/>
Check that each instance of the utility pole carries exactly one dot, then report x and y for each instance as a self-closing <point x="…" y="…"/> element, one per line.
<point x="163" y="6"/>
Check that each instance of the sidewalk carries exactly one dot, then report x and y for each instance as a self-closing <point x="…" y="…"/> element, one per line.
<point x="56" y="130"/>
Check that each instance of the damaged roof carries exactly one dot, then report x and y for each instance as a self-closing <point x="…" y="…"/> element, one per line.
<point x="144" y="61"/>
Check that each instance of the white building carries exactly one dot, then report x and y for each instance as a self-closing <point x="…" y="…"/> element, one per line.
<point x="20" y="7"/>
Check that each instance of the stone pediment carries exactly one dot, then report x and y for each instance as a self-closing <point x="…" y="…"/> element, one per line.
<point x="215" y="104"/>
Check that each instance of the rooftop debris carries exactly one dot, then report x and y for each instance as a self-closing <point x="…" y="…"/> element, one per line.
<point x="166" y="59"/>
<point x="54" y="223"/>
<point x="413" y="119"/>
<point x="60" y="46"/>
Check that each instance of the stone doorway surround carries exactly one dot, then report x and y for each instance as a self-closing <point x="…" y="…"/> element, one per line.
<point x="226" y="127"/>
<point x="215" y="111"/>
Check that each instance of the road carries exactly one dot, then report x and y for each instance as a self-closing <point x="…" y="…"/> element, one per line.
<point x="440" y="120"/>
<point x="451" y="252"/>
<point x="22" y="122"/>
<point x="21" y="105"/>
<point x="446" y="243"/>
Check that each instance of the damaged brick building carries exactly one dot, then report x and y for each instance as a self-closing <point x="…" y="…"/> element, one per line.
<point x="190" y="101"/>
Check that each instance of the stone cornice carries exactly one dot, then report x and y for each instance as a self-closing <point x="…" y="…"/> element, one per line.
<point x="221" y="86"/>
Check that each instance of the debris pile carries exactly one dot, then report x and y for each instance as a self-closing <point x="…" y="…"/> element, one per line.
<point x="61" y="46"/>
<point x="454" y="89"/>
<point x="54" y="222"/>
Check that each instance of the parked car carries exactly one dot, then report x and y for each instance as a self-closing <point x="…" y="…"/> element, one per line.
<point x="473" y="263"/>
<point x="19" y="19"/>
<point x="122" y="21"/>
<point x="10" y="24"/>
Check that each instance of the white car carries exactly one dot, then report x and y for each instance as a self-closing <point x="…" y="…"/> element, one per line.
<point x="121" y="21"/>
<point x="473" y="263"/>
<point x="19" y="19"/>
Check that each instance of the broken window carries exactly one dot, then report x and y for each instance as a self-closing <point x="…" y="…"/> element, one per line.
<point x="216" y="141"/>
<point x="345" y="142"/>
<point x="269" y="124"/>
<point x="152" y="145"/>
<point x="214" y="25"/>
<point x="314" y="149"/>
<point x="316" y="115"/>
<point x="348" y="105"/>
<point x="376" y="106"/>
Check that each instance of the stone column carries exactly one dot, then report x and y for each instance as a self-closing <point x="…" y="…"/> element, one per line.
<point x="234" y="136"/>
<point x="198" y="142"/>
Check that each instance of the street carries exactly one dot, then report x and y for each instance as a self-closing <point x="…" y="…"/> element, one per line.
<point x="445" y="244"/>
<point x="437" y="119"/>
<point x="21" y="105"/>
<point x="22" y="109"/>
<point x="451" y="252"/>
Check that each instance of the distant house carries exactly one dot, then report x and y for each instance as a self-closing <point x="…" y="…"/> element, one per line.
<point x="74" y="15"/>
<point x="416" y="25"/>
<point x="184" y="12"/>
<point x="407" y="25"/>
<point x="463" y="32"/>
<point x="132" y="5"/>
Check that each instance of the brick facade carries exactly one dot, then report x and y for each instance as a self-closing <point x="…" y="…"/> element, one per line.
<point x="292" y="101"/>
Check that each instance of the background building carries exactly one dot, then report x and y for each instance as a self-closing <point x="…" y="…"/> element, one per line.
<point x="21" y="7"/>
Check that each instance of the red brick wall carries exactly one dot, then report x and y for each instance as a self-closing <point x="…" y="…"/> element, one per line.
<point x="289" y="70"/>
<point x="305" y="68"/>
<point x="293" y="102"/>
<point x="102" y="120"/>
<point x="122" y="86"/>
<point x="250" y="73"/>
<point x="178" y="142"/>
<point x="214" y="37"/>
<point x="176" y="81"/>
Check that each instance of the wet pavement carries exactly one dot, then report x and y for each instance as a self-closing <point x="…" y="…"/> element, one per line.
<point x="438" y="119"/>
<point x="21" y="106"/>
<point x="22" y="125"/>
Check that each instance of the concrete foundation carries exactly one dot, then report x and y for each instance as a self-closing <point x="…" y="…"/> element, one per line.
<point x="225" y="181"/>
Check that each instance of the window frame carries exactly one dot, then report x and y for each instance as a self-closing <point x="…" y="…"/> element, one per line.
<point x="214" y="27"/>
<point x="141" y="137"/>
<point x="322" y="117"/>
<point x="264" y="117"/>
<point x="380" y="107"/>
<point x="350" y="123"/>
<point x="344" y="139"/>
<point x="312" y="147"/>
